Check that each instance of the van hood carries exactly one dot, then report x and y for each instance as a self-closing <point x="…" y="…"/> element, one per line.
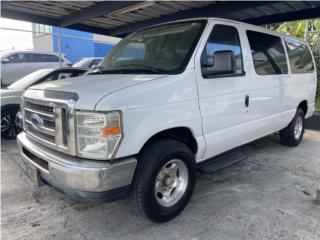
<point x="92" y="88"/>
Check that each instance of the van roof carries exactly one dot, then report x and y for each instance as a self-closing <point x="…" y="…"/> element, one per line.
<point x="259" y="28"/>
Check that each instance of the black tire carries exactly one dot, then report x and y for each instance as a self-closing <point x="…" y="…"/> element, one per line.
<point x="288" y="136"/>
<point x="9" y="129"/>
<point x="151" y="160"/>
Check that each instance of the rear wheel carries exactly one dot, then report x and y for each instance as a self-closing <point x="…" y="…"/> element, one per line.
<point x="164" y="180"/>
<point x="9" y="129"/>
<point x="293" y="133"/>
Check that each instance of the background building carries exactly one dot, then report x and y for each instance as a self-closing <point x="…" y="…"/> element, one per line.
<point x="74" y="44"/>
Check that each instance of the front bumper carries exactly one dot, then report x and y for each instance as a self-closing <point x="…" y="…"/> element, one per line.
<point x="69" y="173"/>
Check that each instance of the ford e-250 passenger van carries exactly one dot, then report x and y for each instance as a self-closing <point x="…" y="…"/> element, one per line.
<point x="165" y="99"/>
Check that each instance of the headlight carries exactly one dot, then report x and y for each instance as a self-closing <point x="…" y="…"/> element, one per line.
<point x="98" y="134"/>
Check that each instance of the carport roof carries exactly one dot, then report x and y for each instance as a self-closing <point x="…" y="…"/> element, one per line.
<point x="118" y="18"/>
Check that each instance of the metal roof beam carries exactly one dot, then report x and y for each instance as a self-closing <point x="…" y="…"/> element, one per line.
<point x="214" y="10"/>
<point x="17" y="15"/>
<point x="99" y="9"/>
<point x="286" y="17"/>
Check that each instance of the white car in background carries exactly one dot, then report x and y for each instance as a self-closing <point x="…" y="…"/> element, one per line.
<point x="17" y="64"/>
<point x="88" y="62"/>
<point x="11" y="96"/>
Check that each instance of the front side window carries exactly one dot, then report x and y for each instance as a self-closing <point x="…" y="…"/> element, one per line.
<point x="17" y="58"/>
<point x="223" y="38"/>
<point x="267" y="53"/>
<point x="163" y="49"/>
<point x="300" y="57"/>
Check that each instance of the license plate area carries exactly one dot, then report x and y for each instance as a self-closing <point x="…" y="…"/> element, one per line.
<point x="33" y="173"/>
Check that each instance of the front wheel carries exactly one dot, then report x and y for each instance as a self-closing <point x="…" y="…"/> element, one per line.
<point x="293" y="133"/>
<point x="164" y="180"/>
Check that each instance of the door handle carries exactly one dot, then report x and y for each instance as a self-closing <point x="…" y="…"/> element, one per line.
<point x="246" y="100"/>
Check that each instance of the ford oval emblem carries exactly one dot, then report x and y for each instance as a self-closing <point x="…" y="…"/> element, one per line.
<point x="36" y="121"/>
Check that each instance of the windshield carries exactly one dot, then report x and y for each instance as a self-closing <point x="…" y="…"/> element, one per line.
<point x="163" y="49"/>
<point x="29" y="79"/>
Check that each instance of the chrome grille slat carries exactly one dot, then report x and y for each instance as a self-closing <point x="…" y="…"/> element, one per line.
<point x="45" y="130"/>
<point x="39" y="107"/>
<point x="39" y="112"/>
<point x="42" y="136"/>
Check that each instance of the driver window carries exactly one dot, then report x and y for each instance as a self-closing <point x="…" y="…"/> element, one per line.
<point x="223" y="38"/>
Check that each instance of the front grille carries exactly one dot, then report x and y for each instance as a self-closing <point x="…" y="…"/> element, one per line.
<point x="47" y="123"/>
<point x="48" y="109"/>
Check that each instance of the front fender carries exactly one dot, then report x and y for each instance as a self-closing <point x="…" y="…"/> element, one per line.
<point x="141" y="124"/>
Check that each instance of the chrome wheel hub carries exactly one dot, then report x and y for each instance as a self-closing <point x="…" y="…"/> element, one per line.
<point x="298" y="126"/>
<point x="171" y="183"/>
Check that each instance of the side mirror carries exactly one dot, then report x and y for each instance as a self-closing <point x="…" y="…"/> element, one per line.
<point x="94" y="67"/>
<point x="5" y="60"/>
<point x="223" y="63"/>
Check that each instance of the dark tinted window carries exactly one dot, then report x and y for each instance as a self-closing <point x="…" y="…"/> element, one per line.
<point x="299" y="57"/>
<point x="223" y="38"/>
<point x="52" y="58"/>
<point x="17" y="58"/>
<point x="45" y="58"/>
<point x="267" y="53"/>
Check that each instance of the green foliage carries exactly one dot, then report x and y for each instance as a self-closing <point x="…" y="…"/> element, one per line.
<point x="297" y="29"/>
<point x="318" y="104"/>
<point x="316" y="54"/>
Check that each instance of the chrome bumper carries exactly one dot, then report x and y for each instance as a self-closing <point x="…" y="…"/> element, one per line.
<point x="72" y="173"/>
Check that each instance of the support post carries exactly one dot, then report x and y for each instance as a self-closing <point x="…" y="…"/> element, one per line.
<point x="306" y="31"/>
<point x="59" y="47"/>
<point x="317" y="201"/>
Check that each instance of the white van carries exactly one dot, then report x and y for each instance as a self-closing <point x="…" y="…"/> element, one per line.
<point x="17" y="64"/>
<point x="165" y="99"/>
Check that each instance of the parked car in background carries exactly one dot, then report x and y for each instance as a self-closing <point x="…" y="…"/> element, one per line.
<point x="88" y="62"/>
<point x="11" y="96"/>
<point x="17" y="64"/>
<point x="165" y="99"/>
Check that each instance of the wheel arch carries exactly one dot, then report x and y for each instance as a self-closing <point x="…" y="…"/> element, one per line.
<point x="9" y="106"/>
<point x="304" y="106"/>
<point x="182" y="134"/>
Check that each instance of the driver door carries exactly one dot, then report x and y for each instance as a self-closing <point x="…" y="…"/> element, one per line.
<point x="223" y="97"/>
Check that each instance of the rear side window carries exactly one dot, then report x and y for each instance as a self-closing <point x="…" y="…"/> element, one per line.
<point x="45" y="58"/>
<point x="223" y="38"/>
<point x="267" y="53"/>
<point x="300" y="57"/>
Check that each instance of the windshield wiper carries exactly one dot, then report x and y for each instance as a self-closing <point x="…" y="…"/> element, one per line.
<point x="142" y="66"/>
<point x="131" y="67"/>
